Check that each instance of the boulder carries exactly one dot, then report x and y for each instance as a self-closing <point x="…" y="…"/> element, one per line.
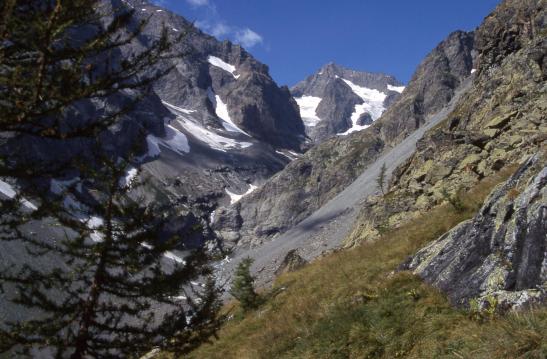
<point x="292" y="262"/>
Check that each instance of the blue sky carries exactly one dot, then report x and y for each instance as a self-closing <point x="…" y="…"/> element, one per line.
<point x="296" y="37"/>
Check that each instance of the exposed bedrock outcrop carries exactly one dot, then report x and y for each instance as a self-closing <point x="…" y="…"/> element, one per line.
<point x="500" y="253"/>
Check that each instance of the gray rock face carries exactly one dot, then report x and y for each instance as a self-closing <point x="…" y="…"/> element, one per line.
<point x="327" y="168"/>
<point x="501" y="252"/>
<point x="238" y="123"/>
<point x="337" y="100"/>
<point x="431" y="87"/>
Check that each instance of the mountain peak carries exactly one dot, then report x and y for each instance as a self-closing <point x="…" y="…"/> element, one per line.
<point x="337" y="100"/>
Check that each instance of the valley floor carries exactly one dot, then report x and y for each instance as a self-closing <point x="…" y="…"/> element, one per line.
<point x="355" y="304"/>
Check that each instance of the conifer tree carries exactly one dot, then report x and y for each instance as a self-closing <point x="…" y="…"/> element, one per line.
<point x="111" y="286"/>
<point x="381" y="179"/>
<point x="243" y="285"/>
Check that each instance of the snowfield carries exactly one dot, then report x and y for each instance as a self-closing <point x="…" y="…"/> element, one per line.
<point x="7" y="190"/>
<point x="175" y="140"/>
<point x="290" y="155"/>
<point x="202" y="134"/>
<point x="234" y="197"/>
<point x="221" y="110"/>
<point x="130" y="175"/>
<point x="398" y="89"/>
<point x="218" y="62"/>
<point x="373" y="103"/>
<point x="177" y="108"/>
<point x="308" y="107"/>
<point x="210" y="138"/>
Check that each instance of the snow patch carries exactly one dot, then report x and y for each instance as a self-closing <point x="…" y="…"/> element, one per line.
<point x="398" y="89"/>
<point x="59" y="186"/>
<point x="291" y="155"/>
<point x="174" y="257"/>
<point x="214" y="141"/>
<point x="7" y="189"/>
<point x="10" y="192"/>
<point x="168" y="254"/>
<point x="234" y="197"/>
<point x="373" y="103"/>
<point x="95" y="223"/>
<point x="175" y="140"/>
<point x="130" y="175"/>
<point x="221" y="110"/>
<point x="177" y="108"/>
<point x="308" y="107"/>
<point x="218" y="62"/>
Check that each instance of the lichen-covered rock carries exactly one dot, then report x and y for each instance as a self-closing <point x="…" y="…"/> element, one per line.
<point x="292" y="262"/>
<point x="502" y="252"/>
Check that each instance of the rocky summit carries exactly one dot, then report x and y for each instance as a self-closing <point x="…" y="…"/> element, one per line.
<point x="339" y="101"/>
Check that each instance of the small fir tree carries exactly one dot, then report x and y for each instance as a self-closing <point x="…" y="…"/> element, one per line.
<point x="381" y="179"/>
<point x="243" y="285"/>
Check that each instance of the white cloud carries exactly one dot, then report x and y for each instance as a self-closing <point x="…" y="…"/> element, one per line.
<point x="198" y="2"/>
<point x="215" y="25"/>
<point x="243" y="36"/>
<point x="247" y="37"/>
<point x="220" y="29"/>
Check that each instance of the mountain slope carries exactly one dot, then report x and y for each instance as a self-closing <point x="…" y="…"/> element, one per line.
<point x="238" y="123"/>
<point x="498" y="122"/>
<point x="326" y="169"/>
<point x="354" y="303"/>
<point x="484" y="244"/>
<point x="326" y="228"/>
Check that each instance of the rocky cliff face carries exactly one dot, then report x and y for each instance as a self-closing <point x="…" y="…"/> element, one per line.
<point x="339" y="101"/>
<point x="322" y="172"/>
<point x="238" y="125"/>
<point x="501" y="254"/>
<point x="208" y="68"/>
<point x="499" y="121"/>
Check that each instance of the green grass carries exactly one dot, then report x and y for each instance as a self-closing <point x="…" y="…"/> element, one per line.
<point x="353" y="304"/>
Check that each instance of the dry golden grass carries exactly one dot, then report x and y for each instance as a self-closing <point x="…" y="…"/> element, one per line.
<point x="351" y="304"/>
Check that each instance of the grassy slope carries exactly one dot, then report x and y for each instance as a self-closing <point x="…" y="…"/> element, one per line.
<point x="351" y="304"/>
